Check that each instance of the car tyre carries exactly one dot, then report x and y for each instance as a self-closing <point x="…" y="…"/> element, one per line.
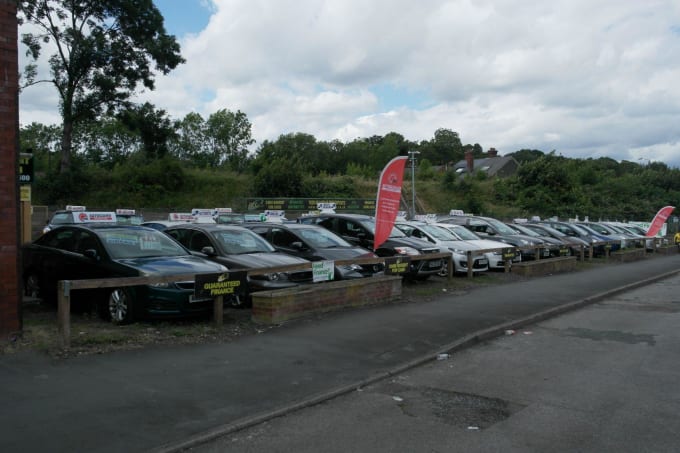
<point x="32" y="286"/>
<point x="120" y="306"/>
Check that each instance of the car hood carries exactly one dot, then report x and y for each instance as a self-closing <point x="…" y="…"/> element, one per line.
<point x="409" y="242"/>
<point x="169" y="265"/>
<point x="341" y="253"/>
<point x="258" y="260"/>
<point x="486" y="244"/>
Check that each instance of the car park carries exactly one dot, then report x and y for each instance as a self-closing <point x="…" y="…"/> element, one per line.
<point x="103" y="251"/>
<point x="496" y="230"/>
<point x="238" y="248"/>
<point x="316" y="243"/>
<point x="493" y="250"/>
<point x="612" y="234"/>
<point x="446" y="242"/>
<point x="575" y="244"/>
<point x="557" y="247"/>
<point x="359" y="230"/>
<point x="597" y="241"/>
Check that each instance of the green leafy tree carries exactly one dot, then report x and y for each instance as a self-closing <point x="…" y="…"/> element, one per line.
<point x="154" y="127"/>
<point x="104" y="49"/>
<point x="228" y="136"/>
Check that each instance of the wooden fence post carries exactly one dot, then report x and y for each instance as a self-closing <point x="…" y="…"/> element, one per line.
<point x="64" y="312"/>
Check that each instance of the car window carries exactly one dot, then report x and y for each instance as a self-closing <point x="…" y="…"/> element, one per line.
<point x="63" y="239"/>
<point x="283" y="238"/>
<point x="87" y="241"/>
<point x="61" y="218"/>
<point x="198" y="241"/>
<point x="180" y="235"/>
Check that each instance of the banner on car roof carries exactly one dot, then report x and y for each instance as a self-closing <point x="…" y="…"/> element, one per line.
<point x="388" y="200"/>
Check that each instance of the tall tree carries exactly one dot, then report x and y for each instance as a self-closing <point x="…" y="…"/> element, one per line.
<point x="229" y="135"/>
<point x="103" y="50"/>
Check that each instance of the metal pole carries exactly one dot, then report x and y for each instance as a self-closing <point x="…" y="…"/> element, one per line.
<point x="412" y="154"/>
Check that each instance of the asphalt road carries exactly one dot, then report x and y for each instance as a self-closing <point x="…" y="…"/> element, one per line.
<point x="169" y="398"/>
<point x="600" y="379"/>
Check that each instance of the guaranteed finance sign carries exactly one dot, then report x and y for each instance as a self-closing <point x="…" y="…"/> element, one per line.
<point x="224" y="284"/>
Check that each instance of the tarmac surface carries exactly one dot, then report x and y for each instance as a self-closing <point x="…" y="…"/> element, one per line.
<point x="600" y="379"/>
<point x="173" y="398"/>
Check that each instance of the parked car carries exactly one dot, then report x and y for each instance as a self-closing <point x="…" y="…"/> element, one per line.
<point x="557" y="247"/>
<point x="494" y="249"/>
<point x="574" y="230"/>
<point x="316" y="243"/>
<point x="446" y="242"/>
<point x="359" y="230"/>
<point x="98" y="251"/>
<point x="611" y="233"/>
<point x="238" y="248"/>
<point x="78" y="214"/>
<point x="161" y="225"/>
<point x="496" y="230"/>
<point x="575" y="244"/>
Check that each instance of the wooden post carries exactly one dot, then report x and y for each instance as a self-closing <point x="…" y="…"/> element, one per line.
<point x="449" y="267"/>
<point x="64" y="312"/>
<point x="591" y="252"/>
<point x="218" y="310"/>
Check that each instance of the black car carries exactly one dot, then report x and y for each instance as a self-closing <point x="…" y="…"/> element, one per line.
<point x="575" y="244"/>
<point x="100" y="251"/>
<point x="238" y="248"/>
<point x="315" y="243"/>
<point x="359" y="230"/>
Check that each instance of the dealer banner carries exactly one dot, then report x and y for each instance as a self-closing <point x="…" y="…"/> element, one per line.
<point x="659" y="220"/>
<point x="224" y="284"/>
<point x="388" y="200"/>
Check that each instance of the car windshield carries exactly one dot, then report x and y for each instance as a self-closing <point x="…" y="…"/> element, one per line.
<point x="369" y="224"/>
<point x="524" y="230"/>
<point x="501" y="227"/>
<point x="598" y="228"/>
<point x="241" y="241"/>
<point x="322" y="238"/>
<point x="462" y="232"/>
<point x="123" y="243"/>
<point x="552" y="231"/>
<point x="60" y="218"/>
<point x="583" y="231"/>
<point x="438" y="233"/>
<point x="129" y="219"/>
<point x="231" y="218"/>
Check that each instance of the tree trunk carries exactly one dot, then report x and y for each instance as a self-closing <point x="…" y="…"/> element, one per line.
<point x="66" y="145"/>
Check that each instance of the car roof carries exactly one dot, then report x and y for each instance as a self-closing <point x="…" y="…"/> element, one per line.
<point x="208" y="226"/>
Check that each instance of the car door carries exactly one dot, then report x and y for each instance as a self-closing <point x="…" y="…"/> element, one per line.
<point x="289" y="243"/>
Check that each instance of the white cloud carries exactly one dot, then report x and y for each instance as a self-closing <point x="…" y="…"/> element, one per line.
<point x="584" y="78"/>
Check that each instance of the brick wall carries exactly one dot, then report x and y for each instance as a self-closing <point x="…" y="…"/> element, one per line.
<point x="273" y="307"/>
<point x="10" y="289"/>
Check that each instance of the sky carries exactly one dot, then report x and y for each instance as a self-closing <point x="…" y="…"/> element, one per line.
<point x="583" y="78"/>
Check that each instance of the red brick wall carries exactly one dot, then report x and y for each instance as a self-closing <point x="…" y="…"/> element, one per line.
<point x="10" y="289"/>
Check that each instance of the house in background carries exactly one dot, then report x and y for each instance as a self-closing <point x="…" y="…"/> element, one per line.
<point x="492" y="164"/>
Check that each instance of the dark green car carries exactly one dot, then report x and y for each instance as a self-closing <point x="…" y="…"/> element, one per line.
<point x="100" y="251"/>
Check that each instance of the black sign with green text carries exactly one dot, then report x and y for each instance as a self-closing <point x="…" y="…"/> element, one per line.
<point x="224" y="284"/>
<point x="397" y="265"/>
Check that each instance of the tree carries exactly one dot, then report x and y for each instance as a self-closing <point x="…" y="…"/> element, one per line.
<point x="154" y="127"/>
<point x="229" y="135"/>
<point x="104" y="50"/>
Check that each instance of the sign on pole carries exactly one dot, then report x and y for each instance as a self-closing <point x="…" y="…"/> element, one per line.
<point x="389" y="198"/>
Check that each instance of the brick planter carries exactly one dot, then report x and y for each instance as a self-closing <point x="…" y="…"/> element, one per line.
<point x="625" y="256"/>
<point x="544" y="266"/>
<point x="274" y="307"/>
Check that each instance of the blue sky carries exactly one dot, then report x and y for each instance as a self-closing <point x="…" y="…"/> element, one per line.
<point x="582" y="78"/>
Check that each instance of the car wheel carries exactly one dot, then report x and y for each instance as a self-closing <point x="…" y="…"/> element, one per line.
<point x="120" y="306"/>
<point x="444" y="271"/>
<point x="32" y="286"/>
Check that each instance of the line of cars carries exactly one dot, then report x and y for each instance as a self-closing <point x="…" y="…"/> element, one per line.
<point x="86" y="245"/>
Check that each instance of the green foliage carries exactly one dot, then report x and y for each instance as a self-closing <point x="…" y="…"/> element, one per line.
<point x="102" y="51"/>
<point x="328" y="186"/>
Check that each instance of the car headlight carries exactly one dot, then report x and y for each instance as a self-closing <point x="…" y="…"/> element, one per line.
<point x="352" y="267"/>
<point x="160" y="285"/>
<point x="406" y="251"/>
<point x="276" y="276"/>
<point x="458" y="251"/>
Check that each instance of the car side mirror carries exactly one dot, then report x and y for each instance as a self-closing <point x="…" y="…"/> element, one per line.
<point x="297" y="245"/>
<point x="92" y="254"/>
<point x="208" y="250"/>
